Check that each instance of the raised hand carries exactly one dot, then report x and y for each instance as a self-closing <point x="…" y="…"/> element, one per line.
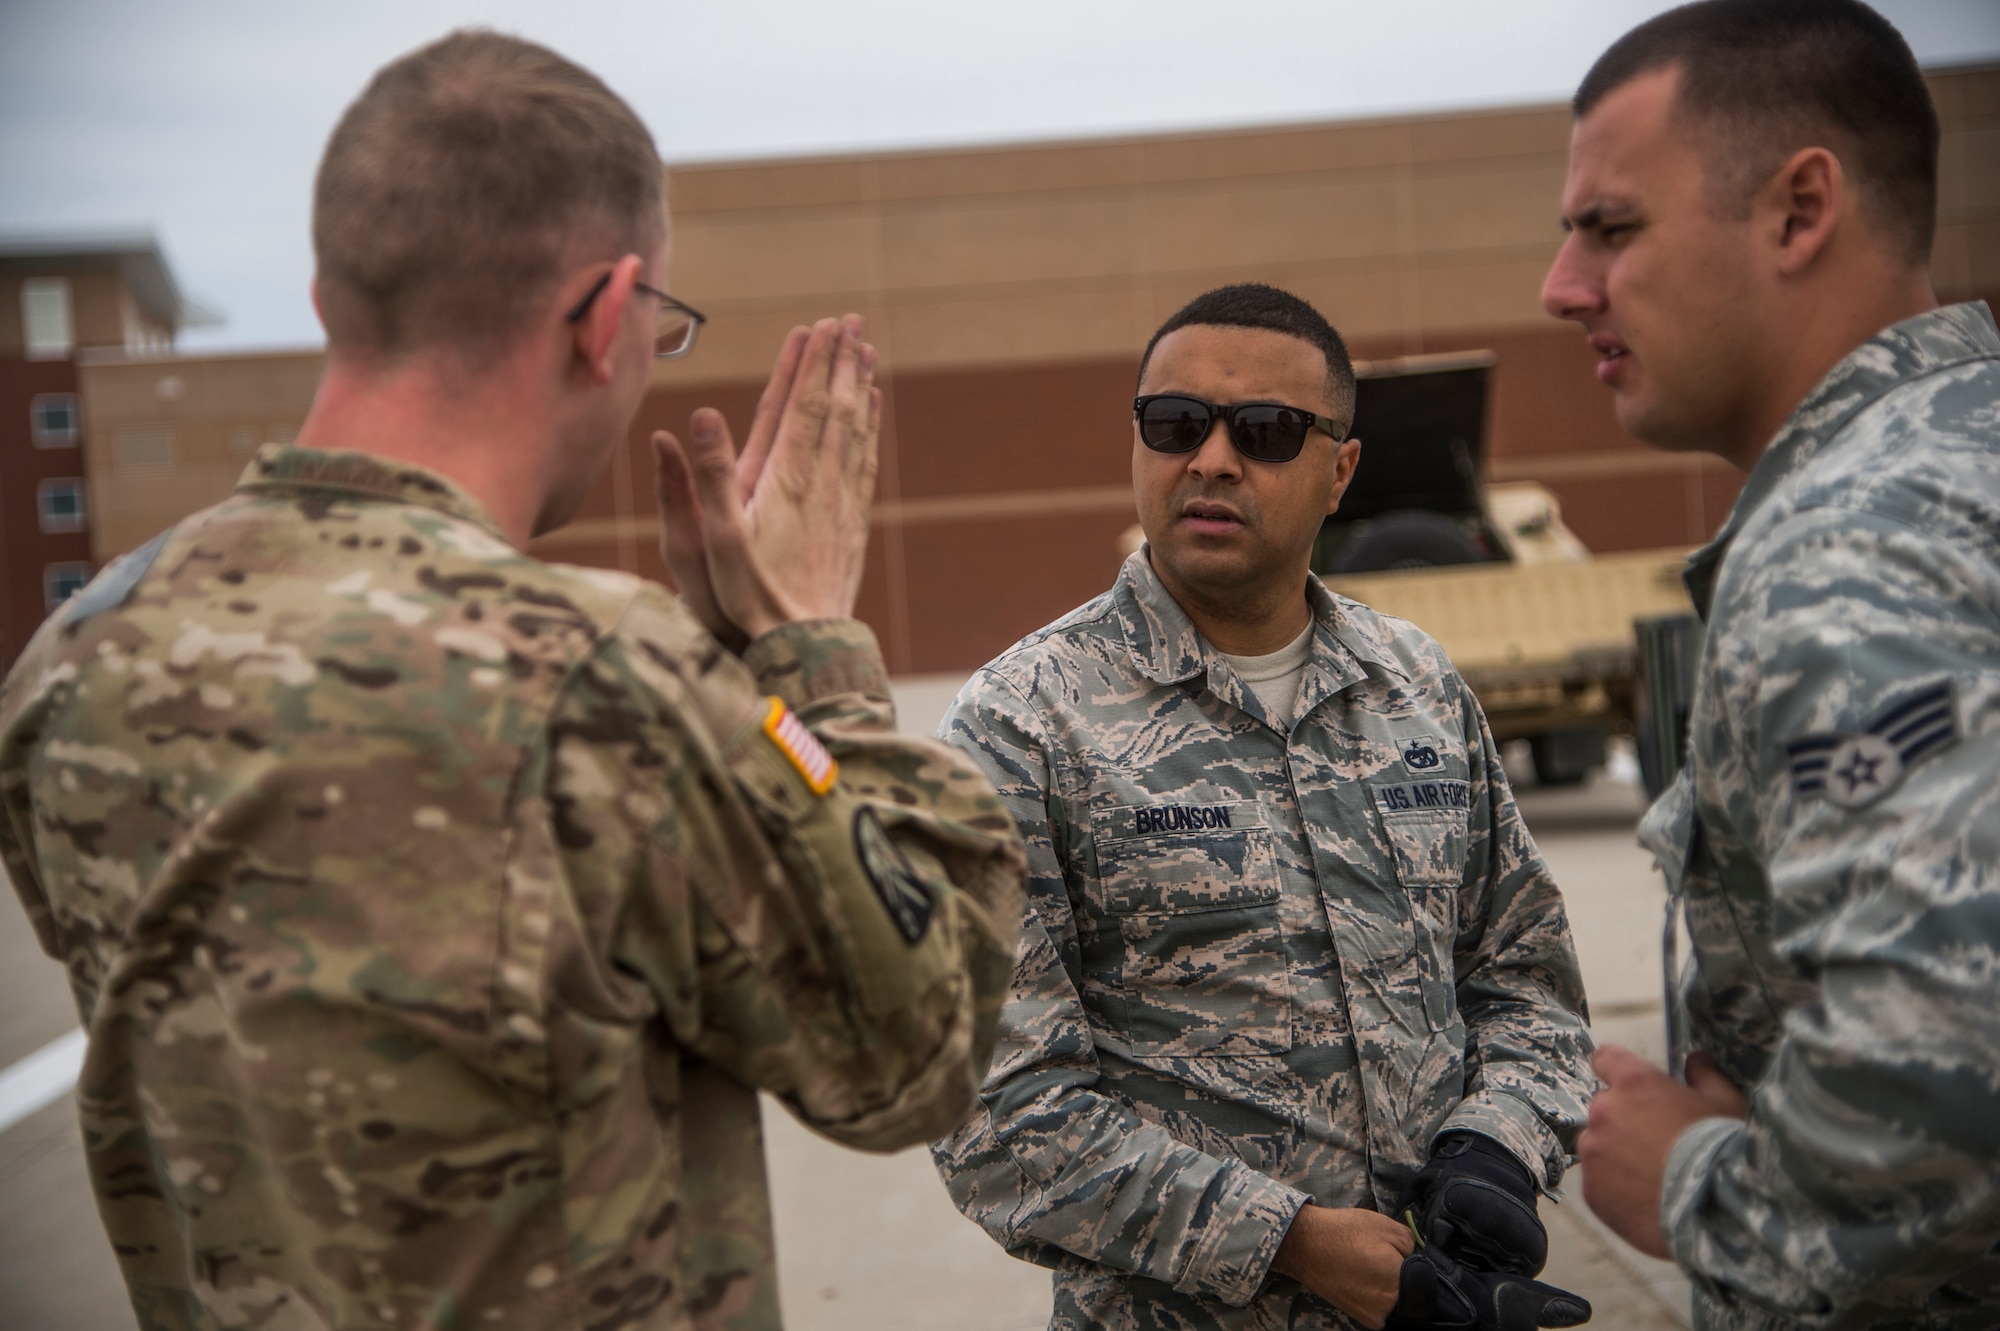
<point x="777" y="533"/>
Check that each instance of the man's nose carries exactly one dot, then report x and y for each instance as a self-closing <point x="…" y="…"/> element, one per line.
<point x="1571" y="290"/>
<point x="1217" y="457"/>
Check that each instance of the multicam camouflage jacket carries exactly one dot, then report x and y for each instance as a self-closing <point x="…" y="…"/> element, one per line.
<point x="433" y="912"/>
<point x="1260" y="966"/>
<point x="1836" y="841"/>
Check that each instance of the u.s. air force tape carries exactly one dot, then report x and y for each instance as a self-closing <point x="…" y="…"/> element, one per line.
<point x="801" y="746"/>
<point x="902" y="892"/>
<point x="1853" y="771"/>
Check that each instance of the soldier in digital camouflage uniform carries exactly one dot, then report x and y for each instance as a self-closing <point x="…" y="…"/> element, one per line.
<point x="1834" y="1161"/>
<point x="1277" y="944"/>
<point x="436" y="912"/>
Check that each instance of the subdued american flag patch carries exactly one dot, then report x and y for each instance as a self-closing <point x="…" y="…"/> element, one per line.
<point x="800" y="745"/>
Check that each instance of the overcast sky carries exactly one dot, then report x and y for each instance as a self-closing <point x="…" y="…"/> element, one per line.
<point x="203" y="119"/>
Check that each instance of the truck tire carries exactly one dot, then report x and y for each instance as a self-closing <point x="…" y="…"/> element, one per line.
<point x="1411" y="538"/>
<point x="1565" y="757"/>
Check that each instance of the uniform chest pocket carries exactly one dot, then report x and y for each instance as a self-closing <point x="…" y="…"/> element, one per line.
<point x="1425" y="824"/>
<point x="1196" y="966"/>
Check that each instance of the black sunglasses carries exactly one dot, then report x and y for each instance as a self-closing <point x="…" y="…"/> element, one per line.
<point x="1266" y="431"/>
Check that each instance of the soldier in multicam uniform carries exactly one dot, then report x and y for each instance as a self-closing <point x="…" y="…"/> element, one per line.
<point x="1286" y="927"/>
<point x="1752" y="193"/>
<point x="434" y="911"/>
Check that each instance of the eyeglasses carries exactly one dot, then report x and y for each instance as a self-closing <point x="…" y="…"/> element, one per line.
<point x="673" y="331"/>
<point x="1266" y="431"/>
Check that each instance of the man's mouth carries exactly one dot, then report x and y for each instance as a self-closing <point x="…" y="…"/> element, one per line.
<point x="1611" y="356"/>
<point x="1210" y="519"/>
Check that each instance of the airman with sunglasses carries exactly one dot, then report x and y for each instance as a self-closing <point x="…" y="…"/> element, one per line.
<point x="1296" y="1031"/>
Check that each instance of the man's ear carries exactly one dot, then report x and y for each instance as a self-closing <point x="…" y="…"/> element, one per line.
<point x="1803" y="204"/>
<point x="1345" y="459"/>
<point x="596" y="333"/>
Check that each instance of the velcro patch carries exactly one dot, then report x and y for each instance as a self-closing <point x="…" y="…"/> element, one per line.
<point x="896" y="882"/>
<point x="1420" y="753"/>
<point x="800" y="745"/>
<point x="1854" y="771"/>
<point x="1444" y="793"/>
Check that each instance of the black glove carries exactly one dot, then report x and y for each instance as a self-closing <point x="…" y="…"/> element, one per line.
<point x="1437" y="1294"/>
<point x="1475" y="1204"/>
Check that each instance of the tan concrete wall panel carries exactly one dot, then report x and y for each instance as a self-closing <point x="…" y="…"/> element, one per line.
<point x="764" y="255"/>
<point x="1236" y="155"/>
<point x="1963" y="94"/>
<point x="1007" y="171"/>
<point x="1484" y="292"/>
<point x="1982" y="269"/>
<point x="1969" y="170"/>
<point x="1487" y="135"/>
<point x="1014" y="428"/>
<point x="1098" y="319"/>
<point x="1037" y="240"/>
<point x="1348" y="215"/>
<point x="1466" y="208"/>
<point x="739" y="186"/>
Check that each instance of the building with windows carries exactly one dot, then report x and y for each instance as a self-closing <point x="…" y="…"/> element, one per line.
<point x="1011" y="290"/>
<point x="61" y="299"/>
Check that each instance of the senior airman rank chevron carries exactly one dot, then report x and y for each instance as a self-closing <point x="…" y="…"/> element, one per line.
<point x="1856" y="770"/>
<point x="789" y="733"/>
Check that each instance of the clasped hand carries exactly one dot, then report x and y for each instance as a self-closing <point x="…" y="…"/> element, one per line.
<point x="777" y="533"/>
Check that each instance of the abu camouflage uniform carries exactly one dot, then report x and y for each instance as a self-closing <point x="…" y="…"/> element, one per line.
<point x="1259" y="967"/>
<point x="1837" y="844"/>
<point x="433" y="912"/>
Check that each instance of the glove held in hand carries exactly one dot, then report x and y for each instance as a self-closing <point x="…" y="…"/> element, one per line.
<point x="1437" y="1294"/>
<point x="1475" y="1203"/>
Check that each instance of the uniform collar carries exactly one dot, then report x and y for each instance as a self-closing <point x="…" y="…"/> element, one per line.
<point x="278" y="468"/>
<point x="1937" y="340"/>
<point x="1167" y="648"/>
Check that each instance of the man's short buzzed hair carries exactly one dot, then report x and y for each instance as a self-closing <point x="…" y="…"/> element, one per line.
<point x="1256" y="305"/>
<point x="1775" y="76"/>
<point x="462" y="183"/>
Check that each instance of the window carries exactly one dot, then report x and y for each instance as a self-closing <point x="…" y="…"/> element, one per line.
<point x="60" y="504"/>
<point x="53" y="416"/>
<point x="144" y="450"/>
<point x="45" y="315"/>
<point x="62" y="581"/>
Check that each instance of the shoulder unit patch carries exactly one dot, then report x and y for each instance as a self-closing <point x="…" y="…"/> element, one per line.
<point x="896" y="882"/>
<point x="800" y="745"/>
<point x="1854" y="771"/>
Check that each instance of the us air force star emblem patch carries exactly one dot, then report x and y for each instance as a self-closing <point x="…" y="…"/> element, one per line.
<point x="895" y="881"/>
<point x="1854" y="771"/>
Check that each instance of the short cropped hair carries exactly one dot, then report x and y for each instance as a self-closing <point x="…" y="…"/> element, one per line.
<point x="1769" y="77"/>
<point x="462" y="182"/>
<point x="1256" y="305"/>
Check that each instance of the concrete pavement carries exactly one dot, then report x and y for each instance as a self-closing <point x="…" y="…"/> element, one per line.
<point x="872" y="1241"/>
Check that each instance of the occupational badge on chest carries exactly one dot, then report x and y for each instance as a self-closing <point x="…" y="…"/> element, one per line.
<point x="1853" y="771"/>
<point x="1420" y="753"/>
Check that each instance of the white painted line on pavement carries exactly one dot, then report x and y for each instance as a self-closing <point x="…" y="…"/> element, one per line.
<point x="41" y="1078"/>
